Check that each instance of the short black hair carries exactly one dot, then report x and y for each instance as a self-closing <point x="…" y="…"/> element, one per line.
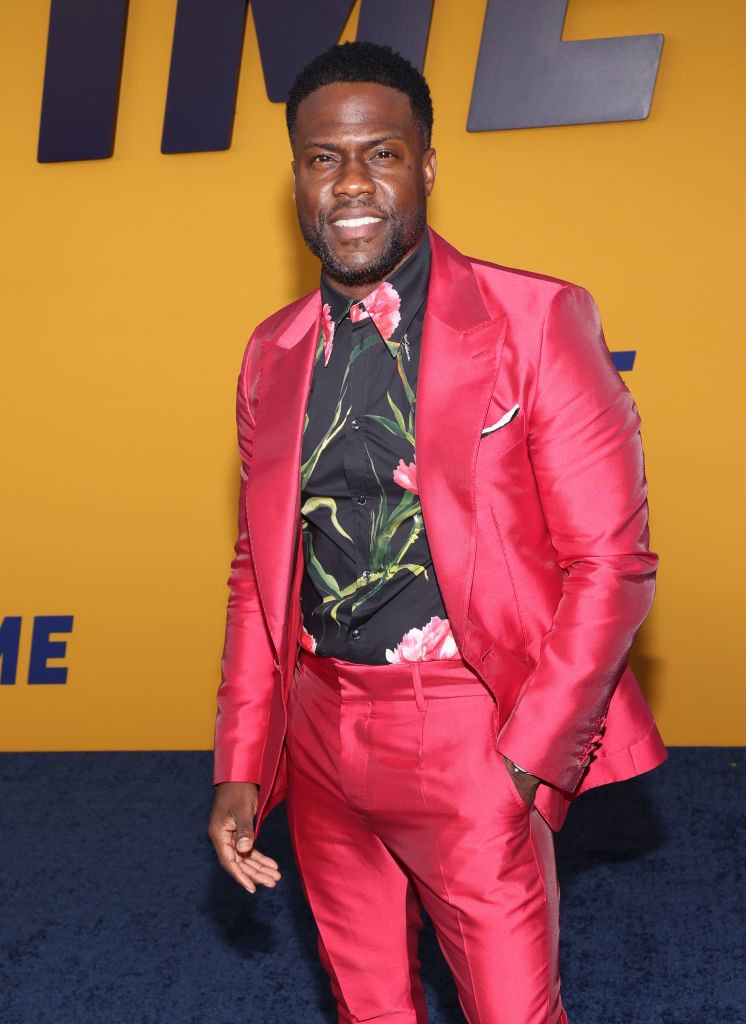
<point x="364" y="62"/>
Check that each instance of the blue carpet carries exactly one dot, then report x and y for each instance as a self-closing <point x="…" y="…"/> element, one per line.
<point x="113" y="909"/>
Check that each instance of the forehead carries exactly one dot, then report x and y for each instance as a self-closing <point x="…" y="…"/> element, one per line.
<point x="354" y="108"/>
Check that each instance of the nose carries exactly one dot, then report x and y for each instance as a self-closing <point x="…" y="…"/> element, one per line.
<point x="353" y="179"/>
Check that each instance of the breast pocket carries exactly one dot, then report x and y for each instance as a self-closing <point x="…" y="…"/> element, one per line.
<point x="495" y="442"/>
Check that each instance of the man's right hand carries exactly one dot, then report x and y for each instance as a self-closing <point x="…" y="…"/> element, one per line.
<point x="231" y="830"/>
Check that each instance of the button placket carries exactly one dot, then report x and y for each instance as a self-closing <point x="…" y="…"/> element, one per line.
<point x="356" y="468"/>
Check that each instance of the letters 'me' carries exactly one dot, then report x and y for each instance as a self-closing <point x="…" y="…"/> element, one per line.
<point x="525" y="77"/>
<point x="43" y="648"/>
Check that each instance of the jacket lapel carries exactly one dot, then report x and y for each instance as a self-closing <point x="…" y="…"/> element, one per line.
<point x="273" y="490"/>
<point x="459" y="366"/>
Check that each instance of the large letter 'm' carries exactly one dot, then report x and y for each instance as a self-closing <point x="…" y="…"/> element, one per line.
<point x="10" y="639"/>
<point x="206" y="55"/>
<point x="205" y="59"/>
<point x="315" y="26"/>
<point x="81" y="79"/>
<point x="527" y="78"/>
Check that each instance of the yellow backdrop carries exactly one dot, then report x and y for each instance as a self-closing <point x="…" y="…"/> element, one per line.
<point x="129" y="287"/>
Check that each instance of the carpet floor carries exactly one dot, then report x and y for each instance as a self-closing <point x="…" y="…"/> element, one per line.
<point x="113" y="909"/>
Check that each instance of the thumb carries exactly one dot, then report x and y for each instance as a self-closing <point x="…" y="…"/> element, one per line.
<point x="244" y="837"/>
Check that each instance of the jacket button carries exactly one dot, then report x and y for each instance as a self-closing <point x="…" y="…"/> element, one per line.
<point x="354" y="634"/>
<point x="360" y="499"/>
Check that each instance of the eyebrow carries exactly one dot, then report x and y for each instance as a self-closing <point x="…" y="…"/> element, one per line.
<point x="370" y="143"/>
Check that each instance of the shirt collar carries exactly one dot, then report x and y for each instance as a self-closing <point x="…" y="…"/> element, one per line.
<point x="392" y="305"/>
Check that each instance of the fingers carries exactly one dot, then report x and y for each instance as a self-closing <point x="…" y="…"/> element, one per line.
<point x="225" y="840"/>
<point x="256" y="869"/>
<point x="265" y="862"/>
<point x="248" y="866"/>
<point x="253" y="870"/>
<point x="232" y="834"/>
<point x="249" y="869"/>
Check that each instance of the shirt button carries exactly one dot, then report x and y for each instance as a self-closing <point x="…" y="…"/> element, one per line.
<point x="355" y="424"/>
<point x="360" y="499"/>
<point x="354" y="634"/>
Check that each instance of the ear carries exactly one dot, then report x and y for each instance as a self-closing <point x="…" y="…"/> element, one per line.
<point x="429" y="167"/>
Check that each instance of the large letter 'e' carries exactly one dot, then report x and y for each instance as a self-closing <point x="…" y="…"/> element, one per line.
<point x="527" y="77"/>
<point x="43" y="648"/>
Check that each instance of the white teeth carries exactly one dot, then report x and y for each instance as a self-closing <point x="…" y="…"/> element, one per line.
<point x="354" y="222"/>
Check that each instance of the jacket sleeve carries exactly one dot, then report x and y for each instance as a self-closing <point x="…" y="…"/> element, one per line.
<point x="248" y="665"/>
<point x="586" y="454"/>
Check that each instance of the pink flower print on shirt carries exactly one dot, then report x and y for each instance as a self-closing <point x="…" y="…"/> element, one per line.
<point x="406" y="476"/>
<point x="434" y="642"/>
<point x="307" y="642"/>
<point x="327" y="331"/>
<point x="383" y="306"/>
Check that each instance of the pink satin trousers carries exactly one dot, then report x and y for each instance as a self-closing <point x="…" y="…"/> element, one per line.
<point x="397" y="797"/>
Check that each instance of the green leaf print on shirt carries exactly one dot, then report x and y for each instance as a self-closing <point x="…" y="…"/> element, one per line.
<point x="392" y="531"/>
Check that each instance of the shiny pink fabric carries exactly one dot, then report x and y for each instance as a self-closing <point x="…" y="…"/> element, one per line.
<point x="538" y="530"/>
<point x="396" y="796"/>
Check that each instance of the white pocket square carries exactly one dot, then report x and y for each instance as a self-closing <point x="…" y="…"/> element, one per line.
<point x="503" y="421"/>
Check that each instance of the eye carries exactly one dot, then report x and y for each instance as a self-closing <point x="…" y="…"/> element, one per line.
<point x="321" y="158"/>
<point x="384" y="154"/>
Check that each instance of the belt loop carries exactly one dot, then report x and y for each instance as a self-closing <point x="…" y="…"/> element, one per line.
<point x="419" y="696"/>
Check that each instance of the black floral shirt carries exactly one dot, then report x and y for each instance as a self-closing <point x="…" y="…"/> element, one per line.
<point x="369" y="593"/>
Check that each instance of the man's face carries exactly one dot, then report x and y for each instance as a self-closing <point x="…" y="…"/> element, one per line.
<point x="362" y="178"/>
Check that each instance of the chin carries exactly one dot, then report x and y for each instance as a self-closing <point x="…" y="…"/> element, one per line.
<point x="358" y="252"/>
<point x="366" y="263"/>
<point x="355" y="276"/>
<point x="362" y="266"/>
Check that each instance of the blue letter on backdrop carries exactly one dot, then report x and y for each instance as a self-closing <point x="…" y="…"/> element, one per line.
<point x="43" y="648"/>
<point x="527" y="77"/>
<point x="315" y="27"/>
<point x="81" y="79"/>
<point x="624" y="360"/>
<point x="205" y="59"/>
<point x="206" y="55"/>
<point x="10" y="639"/>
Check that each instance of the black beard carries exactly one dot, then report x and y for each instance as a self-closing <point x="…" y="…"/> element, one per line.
<point x="403" y="235"/>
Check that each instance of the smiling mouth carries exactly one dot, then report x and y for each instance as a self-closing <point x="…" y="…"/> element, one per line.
<point x="355" y="222"/>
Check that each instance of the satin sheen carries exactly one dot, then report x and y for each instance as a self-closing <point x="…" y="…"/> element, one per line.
<point x="397" y="796"/>
<point x="538" y="531"/>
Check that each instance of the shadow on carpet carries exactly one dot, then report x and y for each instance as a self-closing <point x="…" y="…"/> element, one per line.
<point x="113" y="908"/>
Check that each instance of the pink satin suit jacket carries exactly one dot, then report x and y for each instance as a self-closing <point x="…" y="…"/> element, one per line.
<point x="538" y="529"/>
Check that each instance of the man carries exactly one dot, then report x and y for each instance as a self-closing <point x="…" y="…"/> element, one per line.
<point x="441" y="564"/>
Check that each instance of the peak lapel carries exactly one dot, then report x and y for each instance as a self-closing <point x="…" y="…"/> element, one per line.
<point x="273" y="490"/>
<point x="460" y="361"/>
